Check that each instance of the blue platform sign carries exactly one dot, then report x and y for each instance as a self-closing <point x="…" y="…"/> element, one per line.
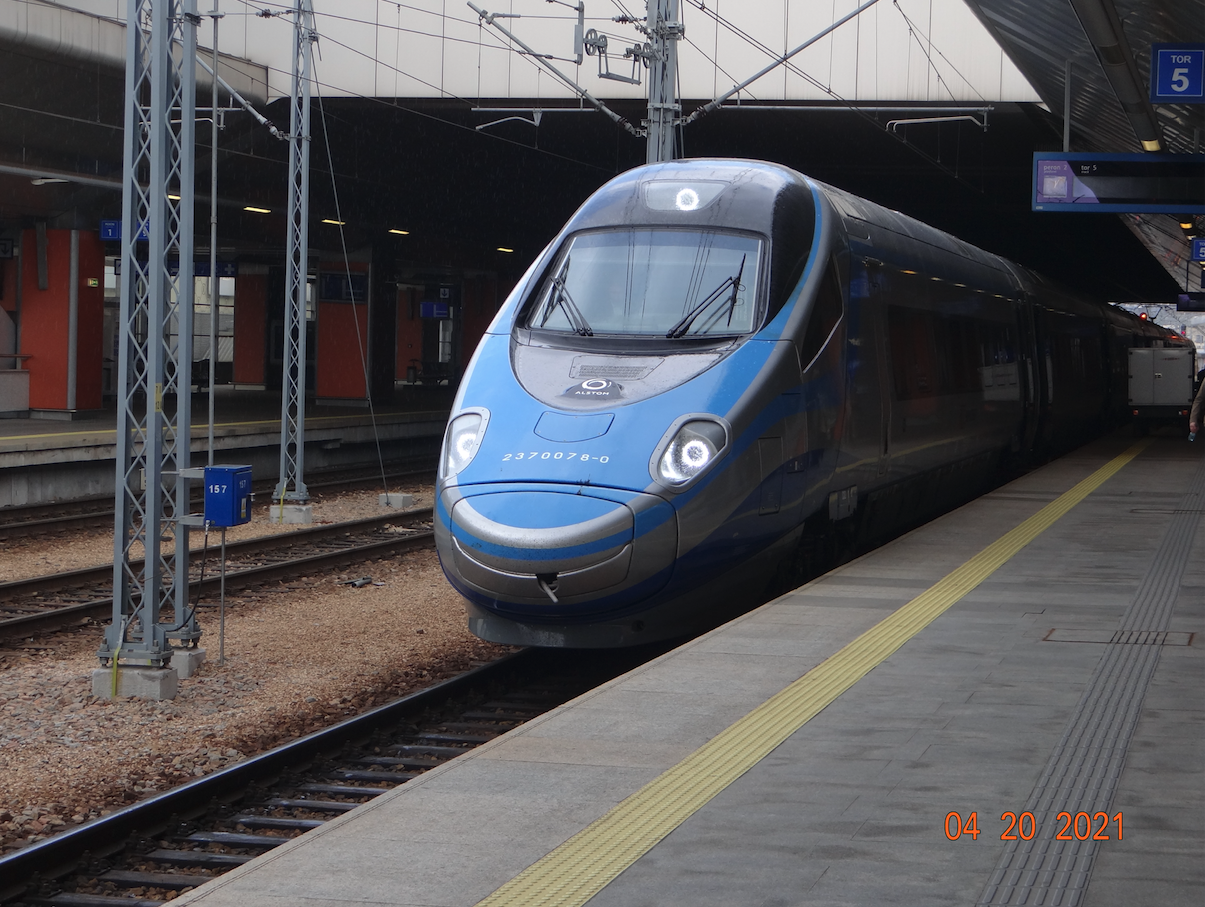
<point x="1198" y="250"/>
<point x="1178" y="73"/>
<point x="110" y="230"/>
<point x="339" y="286"/>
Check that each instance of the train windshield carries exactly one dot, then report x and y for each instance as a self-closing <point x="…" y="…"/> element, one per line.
<point x="667" y="283"/>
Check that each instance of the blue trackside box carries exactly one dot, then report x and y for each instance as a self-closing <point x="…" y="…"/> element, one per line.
<point x="227" y="495"/>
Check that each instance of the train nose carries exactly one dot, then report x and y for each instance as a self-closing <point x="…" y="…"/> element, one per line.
<point x="558" y="552"/>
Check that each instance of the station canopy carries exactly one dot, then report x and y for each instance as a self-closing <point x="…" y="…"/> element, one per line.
<point x="963" y="56"/>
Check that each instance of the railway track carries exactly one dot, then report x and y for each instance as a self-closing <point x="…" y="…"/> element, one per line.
<point x="94" y="511"/>
<point x="44" y="603"/>
<point x="146" y="853"/>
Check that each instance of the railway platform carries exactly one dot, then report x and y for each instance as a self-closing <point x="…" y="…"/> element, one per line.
<point x="1003" y="706"/>
<point x="44" y="460"/>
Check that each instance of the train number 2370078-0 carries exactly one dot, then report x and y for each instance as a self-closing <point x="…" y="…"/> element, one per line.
<point x="555" y="455"/>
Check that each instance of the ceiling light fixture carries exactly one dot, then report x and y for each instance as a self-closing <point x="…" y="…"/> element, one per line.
<point x="401" y="232"/>
<point x="503" y="249"/>
<point x="333" y="223"/>
<point x="255" y="210"/>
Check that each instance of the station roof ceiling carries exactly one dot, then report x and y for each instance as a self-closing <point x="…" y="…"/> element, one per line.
<point x="424" y="164"/>
<point x="1046" y="39"/>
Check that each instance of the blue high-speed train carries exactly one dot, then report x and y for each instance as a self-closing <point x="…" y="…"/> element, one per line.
<point x="717" y="363"/>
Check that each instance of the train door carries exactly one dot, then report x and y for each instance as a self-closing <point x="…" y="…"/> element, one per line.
<point x="885" y="408"/>
<point x="1028" y="431"/>
<point x="865" y="442"/>
<point x="1044" y="385"/>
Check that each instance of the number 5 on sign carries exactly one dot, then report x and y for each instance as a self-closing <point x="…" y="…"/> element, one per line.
<point x="1178" y="73"/>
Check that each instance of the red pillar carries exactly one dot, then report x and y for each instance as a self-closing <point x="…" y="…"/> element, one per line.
<point x="45" y="320"/>
<point x="342" y="335"/>
<point x="250" y="325"/>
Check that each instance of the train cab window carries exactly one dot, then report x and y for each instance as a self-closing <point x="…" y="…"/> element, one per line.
<point x="668" y="284"/>
<point x="826" y="312"/>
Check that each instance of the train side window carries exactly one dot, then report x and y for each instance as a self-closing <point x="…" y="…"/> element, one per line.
<point x="826" y="312"/>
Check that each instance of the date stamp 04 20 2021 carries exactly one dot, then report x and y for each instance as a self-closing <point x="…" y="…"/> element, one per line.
<point x="1078" y="827"/>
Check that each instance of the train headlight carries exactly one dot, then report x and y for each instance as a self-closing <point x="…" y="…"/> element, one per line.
<point x="675" y="195"/>
<point x="693" y="447"/>
<point x="462" y="441"/>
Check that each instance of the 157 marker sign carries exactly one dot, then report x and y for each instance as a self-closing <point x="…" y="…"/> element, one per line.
<point x="1178" y="73"/>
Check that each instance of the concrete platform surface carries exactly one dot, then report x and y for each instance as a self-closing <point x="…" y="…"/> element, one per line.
<point x="982" y="709"/>
<point x="236" y="412"/>
<point x="43" y="460"/>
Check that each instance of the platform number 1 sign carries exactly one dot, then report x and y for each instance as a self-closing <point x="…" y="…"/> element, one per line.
<point x="1178" y="73"/>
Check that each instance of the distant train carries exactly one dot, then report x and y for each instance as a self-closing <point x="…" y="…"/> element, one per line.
<point x="718" y="363"/>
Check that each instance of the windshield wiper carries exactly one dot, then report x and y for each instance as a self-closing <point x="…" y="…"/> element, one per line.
<point x="560" y="297"/>
<point x="680" y="329"/>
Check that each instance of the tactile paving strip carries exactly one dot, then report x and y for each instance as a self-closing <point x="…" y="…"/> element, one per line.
<point x="586" y="863"/>
<point x="1084" y="768"/>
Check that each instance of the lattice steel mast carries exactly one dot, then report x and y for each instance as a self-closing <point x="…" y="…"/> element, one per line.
<point x="292" y="400"/>
<point x="155" y="353"/>
<point x="664" y="31"/>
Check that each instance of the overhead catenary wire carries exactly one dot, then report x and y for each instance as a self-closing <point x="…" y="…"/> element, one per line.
<point x="853" y="107"/>
<point x="915" y="31"/>
<point x="421" y="113"/>
<point x="779" y="60"/>
<point x="231" y="152"/>
<point x="542" y="60"/>
<point x="446" y="17"/>
<point x="372" y="414"/>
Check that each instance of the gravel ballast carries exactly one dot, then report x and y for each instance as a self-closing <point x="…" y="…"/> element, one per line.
<point x="299" y="656"/>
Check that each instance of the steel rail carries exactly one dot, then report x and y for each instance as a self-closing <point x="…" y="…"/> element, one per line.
<point x="107" y="834"/>
<point x="58" y="617"/>
<point x="25" y="519"/>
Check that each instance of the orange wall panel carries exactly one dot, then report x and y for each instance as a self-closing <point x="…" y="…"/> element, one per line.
<point x="250" y="328"/>
<point x="340" y="369"/>
<point x="44" y="320"/>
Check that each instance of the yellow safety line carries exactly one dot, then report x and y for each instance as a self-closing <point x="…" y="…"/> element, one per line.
<point x="586" y="863"/>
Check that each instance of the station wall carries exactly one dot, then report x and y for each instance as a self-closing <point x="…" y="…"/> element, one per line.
<point x="342" y="336"/>
<point x="251" y="325"/>
<point x="45" y="318"/>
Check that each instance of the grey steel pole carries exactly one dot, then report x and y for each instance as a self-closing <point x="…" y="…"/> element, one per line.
<point x="664" y="110"/>
<point x="153" y="441"/>
<point x="222" y="607"/>
<point x="215" y="283"/>
<point x="292" y="398"/>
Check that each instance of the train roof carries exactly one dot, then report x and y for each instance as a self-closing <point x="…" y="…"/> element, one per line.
<point x="744" y="195"/>
<point x="895" y="238"/>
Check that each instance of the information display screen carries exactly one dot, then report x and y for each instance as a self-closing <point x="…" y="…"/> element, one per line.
<point x="1190" y="302"/>
<point x="1136" y="183"/>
